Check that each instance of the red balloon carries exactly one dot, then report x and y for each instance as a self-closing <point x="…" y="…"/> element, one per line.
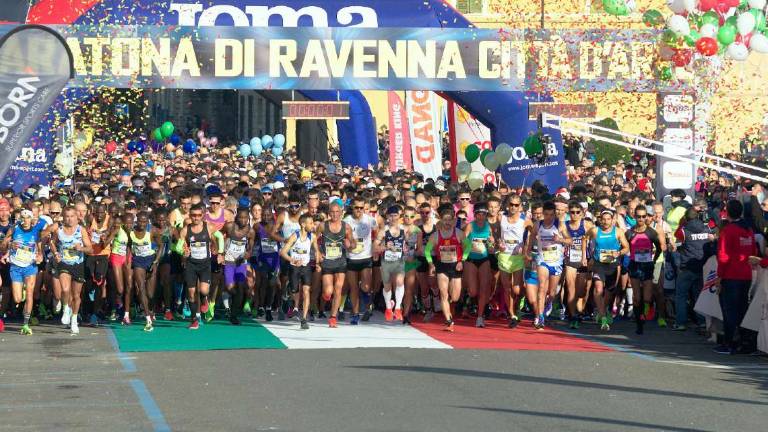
<point x="682" y="58"/>
<point x="706" y="46"/>
<point x="111" y="147"/>
<point x="707" y="5"/>
<point x="746" y="40"/>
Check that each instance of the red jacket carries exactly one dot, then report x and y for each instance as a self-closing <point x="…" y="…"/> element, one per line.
<point x="736" y="245"/>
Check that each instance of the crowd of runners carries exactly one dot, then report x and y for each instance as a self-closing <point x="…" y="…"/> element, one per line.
<point x="145" y="238"/>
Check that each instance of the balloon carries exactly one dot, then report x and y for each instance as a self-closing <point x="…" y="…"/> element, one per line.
<point x="169" y="148"/>
<point x="213" y="141"/>
<point x="463" y="169"/>
<point x="277" y="151"/>
<point x="710" y="17"/>
<point x="475" y="180"/>
<point x="484" y="154"/>
<point x="707" y="5"/>
<point x="111" y="147"/>
<point x="490" y="161"/>
<point x="679" y="25"/>
<point x="175" y="139"/>
<point x="707" y="46"/>
<point x="744" y="40"/>
<point x="503" y="153"/>
<point x="616" y="7"/>
<point x="691" y="39"/>
<point x="669" y="37"/>
<point x="759" y="43"/>
<point x="653" y="18"/>
<point x="708" y="30"/>
<point x="140" y="147"/>
<point x="131" y="147"/>
<point x="682" y="57"/>
<point x="746" y="23"/>
<point x="255" y="142"/>
<point x="190" y="146"/>
<point x="267" y="141"/>
<point x="756" y="4"/>
<point x="200" y="134"/>
<point x="158" y="134"/>
<point x="257" y="150"/>
<point x="167" y="129"/>
<point x="471" y="153"/>
<point x="759" y="18"/>
<point x="666" y="52"/>
<point x="737" y="51"/>
<point x="245" y="150"/>
<point x="727" y="34"/>
<point x="179" y="152"/>
<point x="279" y="140"/>
<point x="665" y="73"/>
<point x="532" y="145"/>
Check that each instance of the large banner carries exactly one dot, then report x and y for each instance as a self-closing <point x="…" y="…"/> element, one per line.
<point x="465" y="130"/>
<point x="399" y="134"/>
<point x="522" y="171"/>
<point x="284" y="58"/>
<point x="426" y="142"/>
<point x="35" y="64"/>
<point x="674" y="118"/>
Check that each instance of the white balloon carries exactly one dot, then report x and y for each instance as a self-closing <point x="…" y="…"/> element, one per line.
<point x="503" y="153"/>
<point x="690" y="5"/>
<point x="738" y="51"/>
<point x="746" y="23"/>
<point x="759" y="43"/>
<point x="679" y="25"/>
<point x="677" y="6"/>
<point x="708" y="30"/>
<point x="756" y="4"/>
<point x="492" y="162"/>
<point x="475" y="180"/>
<point x="463" y="168"/>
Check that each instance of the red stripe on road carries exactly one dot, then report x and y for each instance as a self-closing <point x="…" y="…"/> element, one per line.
<point x="496" y="336"/>
<point x="59" y="11"/>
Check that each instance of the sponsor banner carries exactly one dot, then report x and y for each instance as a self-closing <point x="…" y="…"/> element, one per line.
<point x="35" y="64"/>
<point x="522" y="171"/>
<point x="306" y="58"/>
<point x="675" y="116"/>
<point x="426" y="142"/>
<point x="466" y="130"/>
<point x="399" y="134"/>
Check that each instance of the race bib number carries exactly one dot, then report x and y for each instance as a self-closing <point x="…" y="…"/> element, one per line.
<point x="268" y="246"/>
<point x="607" y="257"/>
<point x="359" y="245"/>
<point x="390" y="255"/>
<point x="478" y="246"/>
<point x="198" y="250"/>
<point x="235" y="251"/>
<point x="643" y="256"/>
<point x="574" y="253"/>
<point x="95" y="237"/>
<point x="120" y="249"/>
<point x="332" y="251"/>
<point x="302" y="255"/>
<point x="69" y="254"/>
<point x="512" y="247"/>
<point x="550" y="254"/>
<point x="24" y="255"/>
<point x="143" y="250"/>
<point x="448" y="254"/>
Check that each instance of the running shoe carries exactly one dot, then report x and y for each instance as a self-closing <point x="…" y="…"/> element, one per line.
<point x="34" y="321"/>
<point x="304" y="325"/>
<point x="388" y="315"/>
<point x="168" y="316"/>
<point x="322" y="315"/>
<point x="204" y="306"/>
<point x="194" y="325"/>
<point x="2" y="325"/>
<point x="332" y="322"/>
<point x="268" y="314"/>
<point x="126" y="320"/>
<point x="294" y="313"/>
<point x="66" y="316"/>
<point x="650" y="312"/>
<point x="366" y="315"/>
<point x="562" y="314"/>
<point x="341" y="316"/>
<point x="247" y="308"/>
<point x="260" y="312"/>
<point x="73" y="326"/>
<point x="42" y="311"/>
<point x="574" y="324"/>
<point x="398" y="314"/>
<point x="537" y="324"/>
<point x="148" y="326"/>
<point x="25" y="330"/>
<point x="186" y="312"/>
<point x="234" y="320"/>
<point x="677" y="327"/>
<point x="448" y="326"/>
<point x="609" y="318"/>
<point x="513" y="322"/>
<point x="280" y="315"/>
<point x="661" y="322"/>
<point x="94" y="320"/>
<point x="548" y="306"/>
<point x="722" y="349"/>
<point x="113" y="315"/>
<point x="604" y="325"/>
<point x="406" y="321"/>
<point x="311" y="316"/>
<point x="208" y="316"/>
<point x="57" y="307"/>
<point x="428" y="316"/>
<point x="480" y="322"/>
<point x="355" y="320"/>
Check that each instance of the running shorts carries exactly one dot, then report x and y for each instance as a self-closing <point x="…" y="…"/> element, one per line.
<point x="195" y="272"/>
<point x="448" y="269"/>
<point x="412" y="265"/>
<point x="510" y="263"/>
<point x="359" y="265"/>
<point x="300" y="276"/>
<point x="553" y="269"/>
<point x="494" y="262"/>
<point x="76" y="271"/>
<point x="641" y="271"/>
<point x="143" y="263"/>
<point x="390" y="269"/>
<point x="234" y="273"/>
<point x="18" y="274"/>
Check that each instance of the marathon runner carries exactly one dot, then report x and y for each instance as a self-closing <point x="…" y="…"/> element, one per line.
<point x="576" y="261"/>
<point x="71" y="244"/>
<point x="143" y="242"/>
<point x="336" y="239"/>
<point x="359" y="258"/>
<point x="427" y="282"/>
<point x="609" y="244"/>
<point x="477" y="269"/>
<point x="391" y="245"/>
<point x="295" y="252"/>
<point x="240" y="238"/>
<point x="512" y="230"/>
<point x="644" y="250"/>
<point x="413" y="248"/>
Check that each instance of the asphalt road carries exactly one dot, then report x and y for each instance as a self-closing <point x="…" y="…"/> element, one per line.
<point x="662" y="381"/>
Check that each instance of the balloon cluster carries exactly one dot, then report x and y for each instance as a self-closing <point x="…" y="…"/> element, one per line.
<point x="618" y="7"/>
<point x="257" y="146"/>
<point x="490" y="159"/>
<point x="710" y="27"/>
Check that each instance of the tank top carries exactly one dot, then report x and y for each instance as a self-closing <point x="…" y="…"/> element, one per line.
<point x="67" y="245"/>
<point x="199" y="244"/>
<point x="411" y="243"/>
<point x="606" y="242"/>
<point x="577" y="235"/>
<point x="24" y="246"/>
<point x="550" y="252"/>
<point x="425" y="235"/>
<point x="300" y="249"/>
<point x="333" y="245"/>
<point x="289" y="227"/>
<point x="512" y="236"/>
<point x="448" y="249"/>
<point x="97" y="235"/>
<point x="120" y="243"/>
<point x="394" y="245"/>
<point x="218" y="222"/>
<point x="640" y="246"/>
<point x="235" y="248"/>
<point x="479" y="238"/>
<point x="142" y="247"/>
<point x="362" y="230"/>
<point x="178" y="218"/>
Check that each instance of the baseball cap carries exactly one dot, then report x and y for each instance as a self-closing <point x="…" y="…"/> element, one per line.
<point x="4" y="204"/>
<point x="306" y="174"/>
<point x="266" y="189"/>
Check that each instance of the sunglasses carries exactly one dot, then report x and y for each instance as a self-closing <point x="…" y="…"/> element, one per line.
<point x="577" y="212"/>
<point x="215" y="203"/>
<point x="642" y="216"/>
<point x="358" y="208"/>
<point x="196" y="214"/>
<point x="514" y="205"/>
<point x="294" y="205"/>
<point x="266" y="193"/>
<point x="55" y="213"/>
<point x="464" y="199"/>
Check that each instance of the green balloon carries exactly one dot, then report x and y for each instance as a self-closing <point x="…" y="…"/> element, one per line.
<point x="691" y="39"/>
<point x="616" y="7"/>
<point x="532" y="145"/>
<point x="483" y="155"/>
<point x="759" y="18"/>
<point x="727" y="34"/>
<point x="471" y="153"/>
<point x="732" y="20"/>
<point x="710" y="17"/>
<point x="167" y="129"/>
<point x="665" y="73"/>
<point x="694" y="20"/>
<point x="653" y="18"/>
<point x="743" y="5"/>
<point x="669" y="37"/>
<point x="158" y="135"/>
